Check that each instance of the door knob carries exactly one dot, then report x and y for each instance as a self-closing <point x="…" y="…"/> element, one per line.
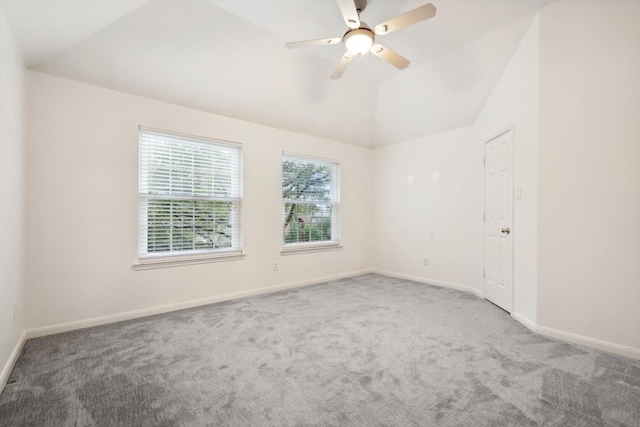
<point x="506" y="231"/>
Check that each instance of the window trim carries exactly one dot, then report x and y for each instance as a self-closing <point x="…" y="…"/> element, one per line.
<point x="310" y="247"/>
<point x="148" y="260"/>
<point x="190" y="259"/>
<point x="316" y="246"/>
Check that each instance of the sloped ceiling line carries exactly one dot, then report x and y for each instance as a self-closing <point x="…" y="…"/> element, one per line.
<point x="228" y="57"/>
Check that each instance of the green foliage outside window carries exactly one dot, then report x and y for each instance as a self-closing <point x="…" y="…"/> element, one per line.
<point x="317" y="231"/>
<point x="307" y="191"/>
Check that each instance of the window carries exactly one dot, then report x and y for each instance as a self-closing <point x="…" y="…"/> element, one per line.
<point x="190" y="196"/>
<point x="311" y="202"/>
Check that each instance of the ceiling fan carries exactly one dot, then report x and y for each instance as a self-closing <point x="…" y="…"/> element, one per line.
<point x="360" y="39"/>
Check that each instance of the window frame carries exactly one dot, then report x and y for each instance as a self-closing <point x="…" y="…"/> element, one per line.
<point x="148" y="259"/>
<point x="315" y="246"/>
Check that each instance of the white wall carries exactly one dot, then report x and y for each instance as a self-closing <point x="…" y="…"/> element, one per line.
<point x="572" y="94"/>
<point x="571" y="90"/>
<point x="82" y="188"/>
<point x="422" y="185"/>
<point x="514" y="102"/>
<point x="589" y="171"/>
<point x="453" y="204"/>
<point x="12" y="224"/>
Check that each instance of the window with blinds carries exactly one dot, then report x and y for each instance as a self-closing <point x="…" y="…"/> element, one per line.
<point x="311" y="201"/>
<point x="190" y="195"/>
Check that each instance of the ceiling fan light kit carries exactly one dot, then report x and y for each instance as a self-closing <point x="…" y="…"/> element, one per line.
<point x="360" y="39"/>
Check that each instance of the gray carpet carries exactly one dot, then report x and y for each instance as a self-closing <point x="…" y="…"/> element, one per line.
<point x="366" y="351"/>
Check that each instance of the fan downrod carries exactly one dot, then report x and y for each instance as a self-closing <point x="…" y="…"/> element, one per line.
<point x="361" y="5"/>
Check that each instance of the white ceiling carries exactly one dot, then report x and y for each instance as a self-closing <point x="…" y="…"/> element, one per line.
<point x="228" y="57"/>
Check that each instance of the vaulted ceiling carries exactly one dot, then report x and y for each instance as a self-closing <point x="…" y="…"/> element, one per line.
<point x="228" y="57"/>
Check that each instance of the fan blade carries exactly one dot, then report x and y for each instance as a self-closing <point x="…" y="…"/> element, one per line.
<point x="349" y="13"/>
<point x="318" y="42"/>
<point x="386" y="54"/>
<point x="416" y="15"/>
<point x="342" y="65"/>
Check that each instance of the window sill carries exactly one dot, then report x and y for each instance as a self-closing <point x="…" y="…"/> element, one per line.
<point x="310" y="248"/>
<point x="176" y="261"/>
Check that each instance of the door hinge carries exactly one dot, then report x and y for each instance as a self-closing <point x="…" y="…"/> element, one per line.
<point x="484" y="217"/>
<point x="484" y="275"/>
<point x="484" y="161"/>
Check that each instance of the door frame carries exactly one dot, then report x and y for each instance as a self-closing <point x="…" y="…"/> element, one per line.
<point x="510" y="128"/>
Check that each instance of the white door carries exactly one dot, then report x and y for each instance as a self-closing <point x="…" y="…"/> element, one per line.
<point x="498" y="220"/>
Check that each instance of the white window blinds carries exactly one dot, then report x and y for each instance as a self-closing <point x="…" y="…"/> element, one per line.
<point x="311" y="200"/>
<point x="190" y="194"/>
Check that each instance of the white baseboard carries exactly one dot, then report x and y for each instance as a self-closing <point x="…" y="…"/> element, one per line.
<point x="112" y="318"/>
<point x="433" y="282"/>
<point x="542" y="330"/>
<point x="70" y="326"/>
<point x="622" y="350"/>
<point x="524" y="321"/>
<point x="8" y="367"/>
<point x="577" y="339"/>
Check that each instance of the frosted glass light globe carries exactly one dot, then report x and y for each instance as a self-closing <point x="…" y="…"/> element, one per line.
<point x="359" y="41"/>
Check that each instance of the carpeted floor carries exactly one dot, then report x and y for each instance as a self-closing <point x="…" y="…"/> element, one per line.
<point x="365" y="351"/>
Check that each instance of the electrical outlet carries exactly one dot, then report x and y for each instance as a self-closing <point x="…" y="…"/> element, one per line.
<point x="425" y="261"/>
<point x="275" y="266"/>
